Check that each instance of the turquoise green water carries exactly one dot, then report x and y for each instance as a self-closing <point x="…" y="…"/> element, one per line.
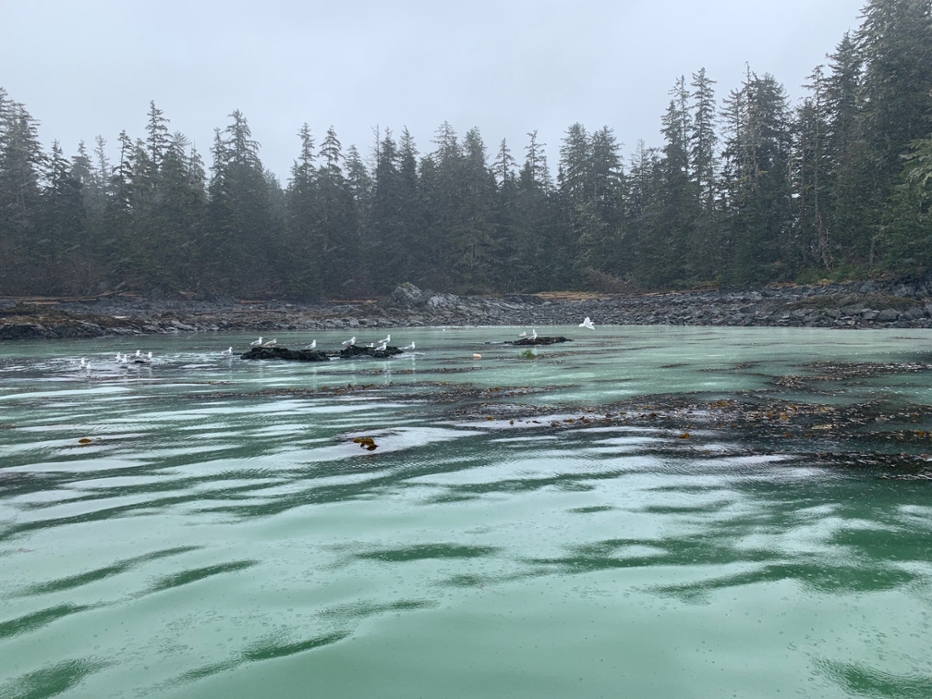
<point x="221" y="535"/>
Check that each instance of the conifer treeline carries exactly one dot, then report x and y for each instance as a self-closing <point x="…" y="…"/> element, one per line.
<point x="745" y="190"/>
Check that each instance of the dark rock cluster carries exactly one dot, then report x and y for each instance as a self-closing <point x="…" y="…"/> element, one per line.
<point x="538" y="341"/>
<point x="351" y="352"/>
<point x="285" y="353"/>
<point x="355" y="351"/>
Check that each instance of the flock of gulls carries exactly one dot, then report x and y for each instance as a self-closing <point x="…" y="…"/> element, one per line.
<point x="138" y="358"/>
<point x="145" y="358"/>
<point x="124" y="361"/>
<point x="381" y="346"/>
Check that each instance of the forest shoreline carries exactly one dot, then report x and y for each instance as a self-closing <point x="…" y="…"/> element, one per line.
<point x="851" y="305"/>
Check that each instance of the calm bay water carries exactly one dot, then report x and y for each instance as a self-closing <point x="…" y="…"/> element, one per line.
<point x="221" y="535"/>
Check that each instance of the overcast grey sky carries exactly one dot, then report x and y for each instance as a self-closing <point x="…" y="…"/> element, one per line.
<point x="90" y="67"/>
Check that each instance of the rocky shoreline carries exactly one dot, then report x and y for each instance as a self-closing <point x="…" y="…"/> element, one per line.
<point x="873" y="304"/>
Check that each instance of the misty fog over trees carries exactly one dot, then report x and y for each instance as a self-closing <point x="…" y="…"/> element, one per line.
<point x="746" y="189"/>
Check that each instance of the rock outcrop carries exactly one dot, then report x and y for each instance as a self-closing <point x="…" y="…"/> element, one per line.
<point x="538" y="341"/>
<point x="355" y="352"/>
<point x="285" y="353"/>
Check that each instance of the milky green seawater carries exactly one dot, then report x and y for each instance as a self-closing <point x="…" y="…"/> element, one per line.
<point x="222" y="536"/>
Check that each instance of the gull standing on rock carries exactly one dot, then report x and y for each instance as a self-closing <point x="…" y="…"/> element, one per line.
<point x="270" y="343"/>
<point x="350" y="342"/>
<point x="587" y="324"/>
<point x="533" y="335"/>
<point x="311" y="346"/>
<point x="256" y="343"/>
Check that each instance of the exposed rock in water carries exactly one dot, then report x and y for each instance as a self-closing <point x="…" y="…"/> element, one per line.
<point x="526" y="341"/>
<point x="355" y="352"/>
<point x="285" y="353"/>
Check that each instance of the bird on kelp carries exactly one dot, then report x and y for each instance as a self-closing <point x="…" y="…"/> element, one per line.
<point x="587" y="324"/>
<point x="382" y="347"/>
<point x="350" y="342"/>
<point x="256" y="343"/>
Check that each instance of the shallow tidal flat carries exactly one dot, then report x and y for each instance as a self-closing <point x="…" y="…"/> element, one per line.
<point x="644" y="511"/>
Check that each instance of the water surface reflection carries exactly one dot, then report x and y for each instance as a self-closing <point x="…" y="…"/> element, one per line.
<point x="207" y="525"/>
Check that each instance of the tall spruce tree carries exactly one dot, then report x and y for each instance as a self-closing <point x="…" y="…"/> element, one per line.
<point x="670" y="243"/>
<point x="911" y="211"/>
<point x="442" y="184"/>
<point x="846" y="217"/>
<point x="704" y="245"/>
<point x="643" y="210"/>
<point x="532" y="224"/>
<point x="21" y="165"/>
<point x="240" y="220"/>
<point x="600" y="215"/>
<point x="303" y="269"/>
<point x="420" y="264"/>
<point x="178" y="218"/>
<point x="59" y="245"/>
<point x="389" y="258"/>
<point x="336" y="222"/>
<point x="811" y="168"/>
<point x="895" y="42"/>
<point x="475" y="240"/>
<point x="759" y="196"/>
<point x="702" y="138"/>
<point x="504" y="216"/>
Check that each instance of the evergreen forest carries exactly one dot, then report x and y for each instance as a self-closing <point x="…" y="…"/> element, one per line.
<point x="746" y="189"/>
